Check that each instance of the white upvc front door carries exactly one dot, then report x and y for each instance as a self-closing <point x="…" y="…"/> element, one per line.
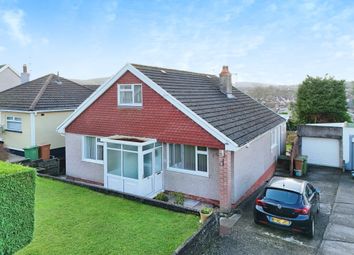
<point x="158" y="174"/>
<point x="148" y="177"/>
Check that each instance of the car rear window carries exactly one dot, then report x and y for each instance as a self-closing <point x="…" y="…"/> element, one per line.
<point x="283" y="196"/>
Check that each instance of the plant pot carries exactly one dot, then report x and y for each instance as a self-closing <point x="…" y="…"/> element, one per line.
<point x="204" y="216"/>
<point x="298" y="172"/>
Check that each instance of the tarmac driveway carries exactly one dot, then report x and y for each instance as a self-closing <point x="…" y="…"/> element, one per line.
<point x="249" y="238"/>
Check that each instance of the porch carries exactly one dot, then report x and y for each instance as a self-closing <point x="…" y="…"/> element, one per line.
<point x="133" y="165"/>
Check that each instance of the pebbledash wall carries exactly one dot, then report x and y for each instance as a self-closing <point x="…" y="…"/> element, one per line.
<point x="255" y="163"/>
<point x="199" y="186"/>
<point x="75" y="166"/>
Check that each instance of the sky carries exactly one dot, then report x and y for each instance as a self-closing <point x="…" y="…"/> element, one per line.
<point x="277" y="42"/>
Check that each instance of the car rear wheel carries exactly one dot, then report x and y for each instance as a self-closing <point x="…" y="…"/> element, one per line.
<point x="256" y="221"/>
<point x="311" y="233"/>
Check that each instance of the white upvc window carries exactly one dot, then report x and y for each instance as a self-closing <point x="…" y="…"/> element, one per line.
<point x="188" y="159"/>
<point x="92" y="149"/>
<point x="14" y="124"/>
<point x="130" y="95"/>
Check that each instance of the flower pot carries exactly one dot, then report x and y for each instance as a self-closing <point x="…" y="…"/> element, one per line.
<point x="204" y="216"/>
<point x="298" y="172"/>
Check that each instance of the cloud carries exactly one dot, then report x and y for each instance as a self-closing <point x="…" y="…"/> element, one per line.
<point x="14" y="20"/>
<point x="110" y="9"/>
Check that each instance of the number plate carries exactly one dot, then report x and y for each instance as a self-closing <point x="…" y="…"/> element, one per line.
<point x="280" y="221"/>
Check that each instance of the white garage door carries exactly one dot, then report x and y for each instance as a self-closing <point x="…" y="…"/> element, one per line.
<point x="321" y="151"/>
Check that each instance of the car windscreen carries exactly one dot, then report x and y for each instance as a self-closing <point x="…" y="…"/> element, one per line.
<point x="284" y="196"/>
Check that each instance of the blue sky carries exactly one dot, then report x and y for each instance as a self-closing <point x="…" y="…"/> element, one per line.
<point x="262" y="41"/>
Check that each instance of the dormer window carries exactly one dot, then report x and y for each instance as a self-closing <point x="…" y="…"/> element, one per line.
<point x="129" y="95"/>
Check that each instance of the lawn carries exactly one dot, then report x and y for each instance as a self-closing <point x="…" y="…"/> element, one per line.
<point x="74" y="220"/>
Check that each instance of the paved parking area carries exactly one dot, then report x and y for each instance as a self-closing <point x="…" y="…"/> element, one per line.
<point x="249" y="238"/>
<point x="339" y="235"/>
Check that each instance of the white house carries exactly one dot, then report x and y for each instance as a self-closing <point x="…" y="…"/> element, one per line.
<point x="8" y="77"/>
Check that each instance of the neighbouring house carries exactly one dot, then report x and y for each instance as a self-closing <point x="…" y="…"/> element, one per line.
<point x="151" y="129"/>
<point x="328" y="144"/>
<point x="8" y="77"/>
<point x="31" y="112"/>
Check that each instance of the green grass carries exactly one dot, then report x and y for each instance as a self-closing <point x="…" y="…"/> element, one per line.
<point x="74" y="220"/>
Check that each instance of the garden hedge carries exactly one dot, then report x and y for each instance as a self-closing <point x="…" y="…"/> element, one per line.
<point x="17" y="187"/>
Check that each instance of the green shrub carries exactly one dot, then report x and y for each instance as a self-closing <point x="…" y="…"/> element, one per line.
<point x="179" y="198"/>
<point x="206" y="210"/>
<point x="17" y="187"/>
<point x="162" y="197"/>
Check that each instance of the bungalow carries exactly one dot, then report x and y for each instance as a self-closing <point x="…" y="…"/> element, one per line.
<point x="151" y="129"/>
<point x="30" y="112"/>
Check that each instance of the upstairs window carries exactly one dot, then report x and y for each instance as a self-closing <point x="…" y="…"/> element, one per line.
<point x="14" y="124"/>
<point x="130" y="95"/>
<point x="93" y="149"/>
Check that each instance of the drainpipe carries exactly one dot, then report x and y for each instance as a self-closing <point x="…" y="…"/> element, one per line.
<point x="33" y="128"/>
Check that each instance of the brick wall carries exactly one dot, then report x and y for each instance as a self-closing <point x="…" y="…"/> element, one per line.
<point x="225" y="180"/>
<point x="156" y="119"/>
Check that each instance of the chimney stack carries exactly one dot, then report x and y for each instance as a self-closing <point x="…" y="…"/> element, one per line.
<point x="225" y="81"/>
<point x="25" y="76"/>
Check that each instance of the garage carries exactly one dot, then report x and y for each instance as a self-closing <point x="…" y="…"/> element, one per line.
<point x="321" y="151"/>
<point x="322" y="143"/>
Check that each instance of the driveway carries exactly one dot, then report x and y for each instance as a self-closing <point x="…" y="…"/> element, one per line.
<point x="249" y="238"/>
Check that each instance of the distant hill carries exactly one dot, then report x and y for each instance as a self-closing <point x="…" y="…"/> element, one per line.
<point x="94" y="81"/>
<point x="246" y="84"/>
<point x="276" y="97"/>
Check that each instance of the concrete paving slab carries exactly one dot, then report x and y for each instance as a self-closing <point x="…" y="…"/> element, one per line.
<point x="336" y="248"/>
<point x="325" y="208"/>
<point x="231" y="221"/>
<point x="342" y="219"/>
<point x="345" y="193"/>
<point x="13" y="158"/>
<point x="336" y="232"/>
<point x="342" y="208"/>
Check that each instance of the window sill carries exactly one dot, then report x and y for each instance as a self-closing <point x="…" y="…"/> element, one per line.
<point x="130" y="106"/>
<point x="182" y="171"/>
<point x="101" y="162"/>
<point x="14" y="131"/>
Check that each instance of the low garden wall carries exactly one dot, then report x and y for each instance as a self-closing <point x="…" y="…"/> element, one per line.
<point x="201" y="240"/>
<point x="17" y="189"/>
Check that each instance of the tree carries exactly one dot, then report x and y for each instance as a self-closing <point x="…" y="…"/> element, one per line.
<point x="321" y="100"/>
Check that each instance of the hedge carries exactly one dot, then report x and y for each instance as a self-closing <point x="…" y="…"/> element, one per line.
<point x="17" y="187"/>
